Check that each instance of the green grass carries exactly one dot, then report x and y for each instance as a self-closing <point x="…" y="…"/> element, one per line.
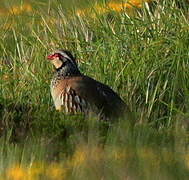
<point x="143" y="57"/>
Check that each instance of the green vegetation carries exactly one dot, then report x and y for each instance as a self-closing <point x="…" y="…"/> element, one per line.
<point x="144" y="57"/>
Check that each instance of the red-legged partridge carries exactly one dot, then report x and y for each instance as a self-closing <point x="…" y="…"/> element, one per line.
<point x="76" y="93"/>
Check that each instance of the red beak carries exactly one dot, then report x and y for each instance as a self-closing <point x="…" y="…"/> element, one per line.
<point x="50" y="57"/>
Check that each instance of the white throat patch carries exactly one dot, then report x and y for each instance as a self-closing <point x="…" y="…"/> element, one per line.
<point x="57" y="62"/>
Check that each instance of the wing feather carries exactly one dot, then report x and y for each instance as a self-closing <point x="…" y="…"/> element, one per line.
<point x="84" y="94"/>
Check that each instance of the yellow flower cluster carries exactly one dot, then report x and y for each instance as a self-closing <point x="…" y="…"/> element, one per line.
<point x="128" y="4"/>
<point x="16" y="10"/>
<point x="114" y="6"/>
<point x="16" y="173"/>
<point x="82" y="158"/>
<point x="53" y="171"/>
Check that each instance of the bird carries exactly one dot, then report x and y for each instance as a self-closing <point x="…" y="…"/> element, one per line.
<point x="76" y="93"/>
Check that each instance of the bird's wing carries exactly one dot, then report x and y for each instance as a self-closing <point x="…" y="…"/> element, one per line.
<point x="100" y="95"/>
<point x="84" y="94"/>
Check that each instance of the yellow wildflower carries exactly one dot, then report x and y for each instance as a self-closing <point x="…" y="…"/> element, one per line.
<point x="16" y="173"/>
<point x="27" y="7"/>
<point x="16" y="10"/>
<point x="129" y="4"/>
<point x="112" y="5"/>
<point x="118" y="6"/>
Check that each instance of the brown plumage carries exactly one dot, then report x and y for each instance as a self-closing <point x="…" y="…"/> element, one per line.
<point x="77" y="93"/>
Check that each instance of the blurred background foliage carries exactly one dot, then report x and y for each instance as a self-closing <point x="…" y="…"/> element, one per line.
<point x="139" y="49"/>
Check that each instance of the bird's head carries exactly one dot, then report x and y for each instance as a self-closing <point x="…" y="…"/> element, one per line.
<point x="64" y="61"/>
